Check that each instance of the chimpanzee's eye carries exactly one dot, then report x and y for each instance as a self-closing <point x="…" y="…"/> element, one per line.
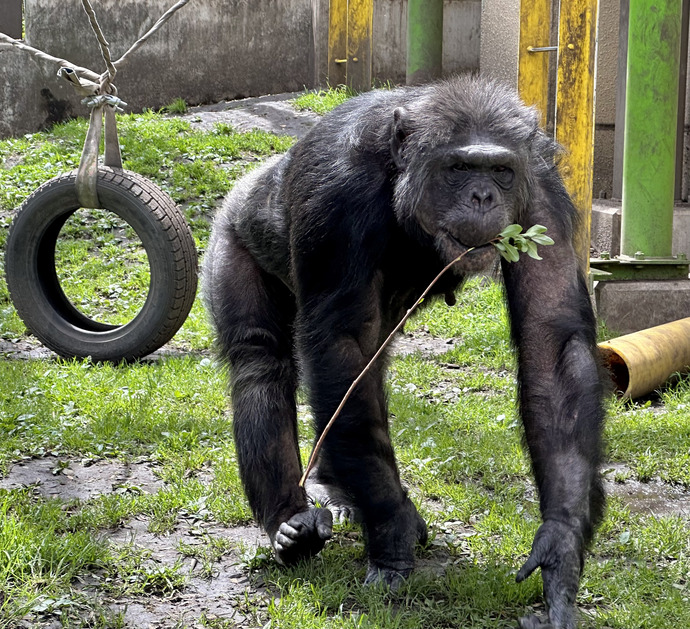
<point x="502" y="175"/>
<point x="461" y="166"/>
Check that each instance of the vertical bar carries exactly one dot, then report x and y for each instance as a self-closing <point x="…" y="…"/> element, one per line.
<point x="682" y="84"/>
<point x="424" y="40"/>
<point x="575" y="109"/>
<point x="619" y="133"/>
<point x="533" y="67"/>
<point x="651" y="111"/>
<point x="337" y="42"/>
<point x="11" y="23"/>
<point x="360" y="22"/>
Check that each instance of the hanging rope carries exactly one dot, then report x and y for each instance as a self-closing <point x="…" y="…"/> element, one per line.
<point x="108" y="76"/>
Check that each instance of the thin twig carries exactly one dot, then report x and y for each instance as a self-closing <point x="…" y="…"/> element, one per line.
<point x="357" y="380"/>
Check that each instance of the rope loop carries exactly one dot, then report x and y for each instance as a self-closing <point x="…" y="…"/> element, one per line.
<point x="104" y="99"/>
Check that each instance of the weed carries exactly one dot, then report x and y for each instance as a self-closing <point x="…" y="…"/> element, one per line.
<point x="178" y="106"/>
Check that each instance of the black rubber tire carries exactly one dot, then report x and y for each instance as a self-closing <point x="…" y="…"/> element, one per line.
<point x="35" y="288"/>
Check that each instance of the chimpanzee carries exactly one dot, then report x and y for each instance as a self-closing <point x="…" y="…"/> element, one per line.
<point x="316" y="256"/>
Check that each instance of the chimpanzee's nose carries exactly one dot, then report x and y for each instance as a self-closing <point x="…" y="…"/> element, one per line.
<point x="481" y="196"/>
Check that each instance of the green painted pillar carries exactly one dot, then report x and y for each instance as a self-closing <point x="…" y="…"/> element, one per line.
<point x="424" y="40"/>
<point x="651" y="110"/>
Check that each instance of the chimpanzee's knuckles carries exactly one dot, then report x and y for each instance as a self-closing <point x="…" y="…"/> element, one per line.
<point x="303" y="535"/>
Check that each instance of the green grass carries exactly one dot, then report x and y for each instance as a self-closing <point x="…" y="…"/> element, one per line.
<point x="453" y="423"/>
<point x="322" y="101"/>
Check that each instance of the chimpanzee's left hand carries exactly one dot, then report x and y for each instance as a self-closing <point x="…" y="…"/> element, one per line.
<point x="558" y="549"/>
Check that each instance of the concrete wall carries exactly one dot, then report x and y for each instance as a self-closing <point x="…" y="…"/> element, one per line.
<point x="500" y="38"/>
<point x="252" y="48"/>
<point x="203" y="54"/>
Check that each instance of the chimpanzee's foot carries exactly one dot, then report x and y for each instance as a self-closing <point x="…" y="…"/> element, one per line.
<point x="337" y="501"/>
<point x="534" y="622"/>
<point x="395" y="561"/>
<point x="303" y="535"/>
<point x="389" y="578"/>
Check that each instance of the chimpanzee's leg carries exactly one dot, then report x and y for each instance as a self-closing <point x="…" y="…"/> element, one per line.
<point x="357" y="455"/>
<point x="253" y="313"/>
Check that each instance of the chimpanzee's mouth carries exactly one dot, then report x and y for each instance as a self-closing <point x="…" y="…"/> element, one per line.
<point x="474" y="258"/>
<point x="469" y="249"/>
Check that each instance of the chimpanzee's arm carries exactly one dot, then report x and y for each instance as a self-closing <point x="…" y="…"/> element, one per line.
<point x="560" y="393"/>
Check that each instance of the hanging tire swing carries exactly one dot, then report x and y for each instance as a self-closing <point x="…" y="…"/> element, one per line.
<point x="34" y="284"/>
<point x="30" y="255"/>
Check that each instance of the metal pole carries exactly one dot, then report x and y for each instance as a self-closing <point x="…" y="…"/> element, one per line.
<point x="619" y="134"/>
<point x="424" y="40"/>
<point x="651" y="109"/>
<point x="682" y="85"/>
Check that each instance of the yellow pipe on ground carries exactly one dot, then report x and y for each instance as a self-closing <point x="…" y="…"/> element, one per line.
<point x="642" y="361"/>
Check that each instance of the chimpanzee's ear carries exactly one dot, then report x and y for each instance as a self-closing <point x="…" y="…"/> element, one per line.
<point x="398" y="135"/>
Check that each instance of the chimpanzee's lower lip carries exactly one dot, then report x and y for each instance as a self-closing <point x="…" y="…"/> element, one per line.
<point x="469" y="248"/>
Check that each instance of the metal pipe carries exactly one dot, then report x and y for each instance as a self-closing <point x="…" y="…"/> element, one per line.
<point x="651" y="109"/>
<point x="642" y="361"/>
<point x="424" y="40"/>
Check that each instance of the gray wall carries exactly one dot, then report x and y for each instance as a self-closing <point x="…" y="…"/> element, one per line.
<point x="209" y="51"/>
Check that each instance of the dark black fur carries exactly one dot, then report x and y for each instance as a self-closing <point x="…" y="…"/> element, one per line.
<point x="317" y="255"/>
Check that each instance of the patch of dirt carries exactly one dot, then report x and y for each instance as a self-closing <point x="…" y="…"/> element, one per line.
<point x="653" y="498"/>
<point x="216" y="592"/>
<point x="215" y="589"/>
<point x="272" y="113"/>
<point x="421" y="341"/>
<point x="53" y="477"/>
<point x="24" y="349"/>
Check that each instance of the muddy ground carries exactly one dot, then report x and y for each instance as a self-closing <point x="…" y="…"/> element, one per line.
<point x="218" y="593"/>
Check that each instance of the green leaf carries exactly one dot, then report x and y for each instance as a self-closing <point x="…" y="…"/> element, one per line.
<point x="532" y="252"/>
<point x="511" y="242"/>
<point x="511" y="253"/>
<point x="535" y="230"/>
<point x="542" y="240"/>
<point x="511" y="231"/>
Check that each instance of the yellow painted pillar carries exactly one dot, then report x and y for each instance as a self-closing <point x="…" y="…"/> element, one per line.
<point x="575" y="109"/>
<point x="350" y="28"/>
<point x="533" y="54"/>
<point x="337" y="42"/>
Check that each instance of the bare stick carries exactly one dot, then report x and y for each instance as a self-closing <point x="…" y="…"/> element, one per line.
<point x="357" y="380"/>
